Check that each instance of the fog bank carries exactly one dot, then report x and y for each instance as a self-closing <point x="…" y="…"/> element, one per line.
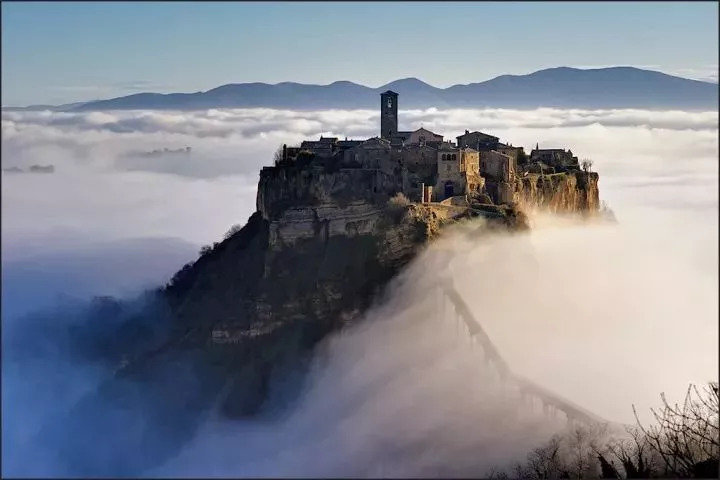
<point x="604" y="315"/>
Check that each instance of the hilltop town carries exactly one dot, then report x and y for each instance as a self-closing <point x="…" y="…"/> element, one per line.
<point x="474" y="175"/>
<point x="336" y="221"/>
<point x="427" y="168"/>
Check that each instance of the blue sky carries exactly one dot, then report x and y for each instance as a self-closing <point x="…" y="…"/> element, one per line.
<point x="64" y="52"/>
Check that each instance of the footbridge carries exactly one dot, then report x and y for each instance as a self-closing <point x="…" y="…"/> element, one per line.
<point x="550" y="402"/>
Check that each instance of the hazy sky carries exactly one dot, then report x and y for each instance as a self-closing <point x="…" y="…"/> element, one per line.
<point x="64" y="52"/>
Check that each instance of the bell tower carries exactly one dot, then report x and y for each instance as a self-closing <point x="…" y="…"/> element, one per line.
<point x="388" y="114"/>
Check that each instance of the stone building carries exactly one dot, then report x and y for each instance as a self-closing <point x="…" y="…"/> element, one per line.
<point x="422" y="136"/>
<point x="497" y="166"/>
<point x="515" y="153"/>
<point x="325" y="147"/>
<point x="457" y="172"/>
<point x="499" y="172"/>
<point x="477" y="140"/>
<point x="557" y="158"/>
<point x="407" y="161"/>
<point x="373" y="154"/>
<point x="388" y="115"/>
<point x="419" y="167"/>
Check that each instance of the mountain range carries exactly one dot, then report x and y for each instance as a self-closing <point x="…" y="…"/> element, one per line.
<point x="561" y="87"/>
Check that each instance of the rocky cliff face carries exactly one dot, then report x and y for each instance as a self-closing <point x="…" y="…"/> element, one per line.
<point x="319" y="249"/>
<point x="571" y="192"/>
<point x="271" y="291"/>
<point x="323" y="243"/>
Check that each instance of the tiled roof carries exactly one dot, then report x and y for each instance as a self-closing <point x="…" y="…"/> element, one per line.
<point x="477" y="133"/>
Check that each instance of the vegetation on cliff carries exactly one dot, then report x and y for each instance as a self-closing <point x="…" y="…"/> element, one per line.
<point x="682" y="442"/>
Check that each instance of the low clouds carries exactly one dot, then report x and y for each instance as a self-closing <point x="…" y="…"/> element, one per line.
<point x="105" y="189"/>
<point x="228" y="142"/>
<point x="401" y="394"/>
<point x="105" y="186"/>
<point x="252" y="122"/>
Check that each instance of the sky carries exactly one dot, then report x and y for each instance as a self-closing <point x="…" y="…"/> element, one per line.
<point x="55" y="53"/>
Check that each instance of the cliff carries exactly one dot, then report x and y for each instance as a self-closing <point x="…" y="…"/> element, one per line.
<point x="321" y="246"/>
<point x="270" y="292"/>
<point x="571" y="192"/>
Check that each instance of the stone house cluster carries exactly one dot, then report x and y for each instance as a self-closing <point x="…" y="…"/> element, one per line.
<point x="426" y="167"/>
<point x="552" y="160"/>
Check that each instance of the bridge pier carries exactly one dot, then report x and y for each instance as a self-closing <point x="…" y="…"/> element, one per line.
<point x="536" y="398"/>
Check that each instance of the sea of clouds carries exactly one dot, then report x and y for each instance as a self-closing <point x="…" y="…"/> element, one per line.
<point x="606" y="316"/>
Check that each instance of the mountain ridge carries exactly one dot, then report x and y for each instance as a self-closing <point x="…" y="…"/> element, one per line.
<point x="562" y="87"/>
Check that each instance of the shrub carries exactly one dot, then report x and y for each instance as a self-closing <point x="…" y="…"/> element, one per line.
<point x="396" y="206"/>
<point x="233" y="230"/>
<point x="399" y="201"/>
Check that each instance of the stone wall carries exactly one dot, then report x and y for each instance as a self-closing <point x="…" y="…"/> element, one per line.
<point x="419" y="166"/>
<point x="281" y="188"/>
<point x="421" y="136"/>
<point x="496" y="166"/>
<point x="322" y="221"/>
<point x="448" y="173"/>
<point x="477" y="140"/>
<point x="470" y="161"/>
<point x="511" y="152"/>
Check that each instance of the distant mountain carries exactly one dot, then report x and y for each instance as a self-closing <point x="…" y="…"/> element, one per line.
<point x="617" y="87"/>
<point x="625" y="87"/>
<point x="35" y="108"/>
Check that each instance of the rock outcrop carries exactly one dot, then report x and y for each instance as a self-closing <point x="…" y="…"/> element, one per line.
<point x="571" y="192"/>
<point x="320" y="247"/>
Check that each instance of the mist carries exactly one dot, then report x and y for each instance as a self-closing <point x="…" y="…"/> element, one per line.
<point x="585" y="310"/>
<point x="604" y="315"/>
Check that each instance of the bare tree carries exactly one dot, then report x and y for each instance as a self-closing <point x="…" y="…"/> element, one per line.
<point x="686" y="437"/>
<point x="397" y="205"/>
<point x="607" y="469"/>
<point x="570" y="455"/>
<point x="233" y="230"/>
<point x="586" y="165"/>
<point x="635" y="455"/>
<point x="683" y="442"/>
<point x="545" y="462"/>
<point x="278" y="155"/>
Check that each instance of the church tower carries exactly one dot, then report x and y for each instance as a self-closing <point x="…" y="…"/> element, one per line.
<point x="388" y="114"/>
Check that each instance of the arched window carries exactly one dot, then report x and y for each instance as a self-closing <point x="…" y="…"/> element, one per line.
<point x="444" y="157"/>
